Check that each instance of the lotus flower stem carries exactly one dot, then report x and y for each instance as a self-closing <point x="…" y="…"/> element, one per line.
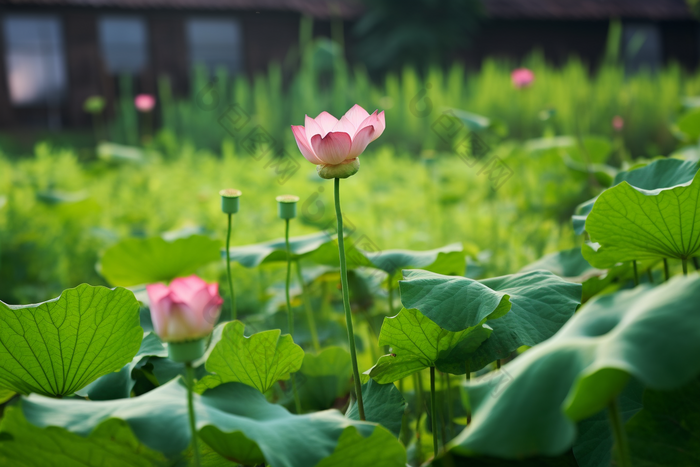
<point x="650" y="277"/>
<point x="346" y="302"/>
<point x="636" y="274"/>
<point x="696" y="263"/>
<point x="469" y="377"/>
<point x="419" y="410"/>
<point x="619" y="435"/>
<point x="309" y="311"/>
<point x="391" y="296"/>
<point x="433" y="411"/>
<point x="666" y="274"/>
<point x="498" y="363"/>
<point x="290" y="314"/>
<point x="685" y="267"/>
<point x="450" y="413"/>
<point x="189" y="372"/>
<point x="234" y="314"/>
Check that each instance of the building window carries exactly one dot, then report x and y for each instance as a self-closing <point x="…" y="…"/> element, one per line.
<point x="36" y="72"/>
<point x="641" y="46"/>
<point x="215" y="43"/>
<point x="124" y="44"/>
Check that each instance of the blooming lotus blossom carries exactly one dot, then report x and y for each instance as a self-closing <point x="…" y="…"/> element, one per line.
<point x="522" y="77"/>
<point x="618" y="123"/>
<point x="186" y="310"/>
<point x="327" y="141"/>
<point x="144" y="102"/>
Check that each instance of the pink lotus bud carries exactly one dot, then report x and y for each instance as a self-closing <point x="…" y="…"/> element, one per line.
<point x="186" y="310"/>
<point x="618" y="123"/>
<point x="522" y="77"/>
<point x="144" y="102"/>
<point x="329" y="142"/>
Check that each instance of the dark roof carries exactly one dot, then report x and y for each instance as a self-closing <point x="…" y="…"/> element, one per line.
<point x="588" y="9"/>
<point x="316" y="8"/>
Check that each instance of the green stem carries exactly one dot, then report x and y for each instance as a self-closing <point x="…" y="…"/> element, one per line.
<point x="346" y="302"/>
<point x="619" y="435"/>
<point x="391" y="295"/>
<point x="228" y="271"/>
<point x="450" y="413"/>
<point x="636" y="274"/>
<point x="685" y="266"/>
<point x="696" y="263"/>
<point x="290" y="313"/>
<point x="405" y="435"/>
<point x="419" y="412"/>
<point x="189" y="373"/>
<point x="666" y="274"/>
<point x="309" y="311"/>
<point x="469" y="377"/>
<point x="498" y="364"/>
<point x="650" y="277"/>
<point x="433" y="411"/>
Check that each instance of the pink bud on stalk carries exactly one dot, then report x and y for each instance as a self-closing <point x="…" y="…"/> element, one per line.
<point x="335" y="145"/>
<point x="522" y="77"/>
<point x="144" y="102"/>
<point x="186" y="310"/>
<point x="618" y="123"/>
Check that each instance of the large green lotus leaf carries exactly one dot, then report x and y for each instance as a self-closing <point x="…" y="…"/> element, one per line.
<point x="135" y="261"/>
<point x="532" y="405"/>
<point x="454" y="303"/>
<point x="324" y="377"/>
<point x="258" y="361"/>
<point x="380" y="449"/>
<point x="667" y="430"/>
<point x="59" y="346"/>
<point x="569" y="264"/>
<point x="252" y="256"/>
<point x="634" y="224"/>
<point x="446" y="260"/>
<point x="662" y="173"/>
<point x="6" y="395"/>
<point x="539" y="302"/>
<point x="594" y="443"/>
<point x="119" y="384"/>
<point x="111" y="444"/>
<point x="383" y="404"/>
<point x="417" y="343"/>
<point x="234" y="419"/>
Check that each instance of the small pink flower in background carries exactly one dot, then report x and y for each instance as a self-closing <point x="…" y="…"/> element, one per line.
<point x="185" y="310"/>
<point x="618" y="123"/>
<point x="144" y="102"/>
<point x="522" y="77"/>
<point x="325" y="140"/>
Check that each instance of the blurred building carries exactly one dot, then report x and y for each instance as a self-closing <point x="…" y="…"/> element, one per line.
<point x="56" y="53"/>
<point x="654" y="32"/>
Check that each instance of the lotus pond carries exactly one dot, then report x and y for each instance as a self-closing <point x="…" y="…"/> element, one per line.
<point x="503" y="303"/>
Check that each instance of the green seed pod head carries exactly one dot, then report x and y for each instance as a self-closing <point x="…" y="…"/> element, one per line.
<point x="187" y="351"/>
<point x="287" y="206"/>
<point x="344" y="170"/>
<point x="229" y="200"/>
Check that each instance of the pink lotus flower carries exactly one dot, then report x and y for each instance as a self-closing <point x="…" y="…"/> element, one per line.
<point x="186" y="310"/>
<point x="325" y="140"/>
<point x="144" y="102"/>
<point x="522" y="77"/>
<point x="618" y="123"/>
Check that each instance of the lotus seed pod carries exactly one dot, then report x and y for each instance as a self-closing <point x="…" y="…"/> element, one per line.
<point x="229" y="200"/>
<point x="287" y="206"/>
